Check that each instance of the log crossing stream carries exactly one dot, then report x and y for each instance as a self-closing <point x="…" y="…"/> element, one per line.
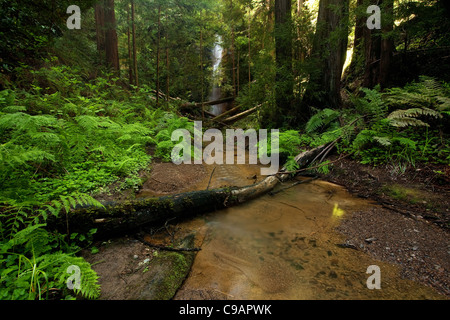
<point x="284" y="246"/>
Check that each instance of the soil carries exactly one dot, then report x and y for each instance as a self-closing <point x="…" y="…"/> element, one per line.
<point x="410" y="225"/>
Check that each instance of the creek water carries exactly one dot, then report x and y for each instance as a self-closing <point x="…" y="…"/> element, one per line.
<point x="284" y="247"/>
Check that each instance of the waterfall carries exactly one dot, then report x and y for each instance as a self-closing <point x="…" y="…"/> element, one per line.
<point x="216" y="92"/>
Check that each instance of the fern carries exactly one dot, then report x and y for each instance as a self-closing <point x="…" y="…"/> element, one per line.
<point x="321" y="119"/>
<point x="405" y="118"/>
<point x="426" y="98"/>
<point x="30" y="260"/>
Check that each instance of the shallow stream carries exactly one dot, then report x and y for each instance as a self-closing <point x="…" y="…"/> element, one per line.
<point x="285" y="247"/>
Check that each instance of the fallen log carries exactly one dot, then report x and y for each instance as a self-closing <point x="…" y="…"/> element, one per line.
<point x="241" y="115"/>
<point x="116" y="218"/>
<point x="214" y="102"/>
<point x="226" y="113"/>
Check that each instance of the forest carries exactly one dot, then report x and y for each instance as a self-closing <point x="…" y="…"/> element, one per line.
<point x="92" y="91"/>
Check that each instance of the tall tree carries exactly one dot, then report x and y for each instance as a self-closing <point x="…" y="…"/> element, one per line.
<point x="130" y="56"/>
<point x="133" y="27"/>
<point x="283" y="58"/>
<point x="111" y="41"/>
<point x="356" y="65"/>
<point x="328" y="54"/>
<point x="373" y="48"/>
<point x="100" y="27"/>
<point x="387" y="43"/>
<point x="158" y="50"/>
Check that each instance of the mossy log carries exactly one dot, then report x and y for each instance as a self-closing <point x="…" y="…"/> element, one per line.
<point x="126" y="216"/>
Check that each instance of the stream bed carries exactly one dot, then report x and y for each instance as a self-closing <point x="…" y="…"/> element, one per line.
<point x="285" y="247"/>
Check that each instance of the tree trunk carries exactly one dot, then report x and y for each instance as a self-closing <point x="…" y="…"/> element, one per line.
<point x="100" y="28"/>
<point x="130" y="55"/>
<point x="136" y="76"/>
<point x="158" y="49"/>
<point x="283" y="57"/>
<point x="387" y="43"/>
<point x="356" y="65"/>
<point x="379" y="47"/>
<point x="111" y="41"/>
<point x="123" y="217"/>
<point x="328" y="53"/>
<point x="167" y="74"/>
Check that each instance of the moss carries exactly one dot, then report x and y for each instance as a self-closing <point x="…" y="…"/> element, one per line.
<point x="177" y="270"/>
<point x="168" y="271"/>
<point x="402" y="193"/>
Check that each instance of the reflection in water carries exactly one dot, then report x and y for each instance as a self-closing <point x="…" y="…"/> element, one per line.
<point x="285" y="247"/>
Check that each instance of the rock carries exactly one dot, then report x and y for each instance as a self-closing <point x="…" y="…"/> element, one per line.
<point x="370" y="240"/>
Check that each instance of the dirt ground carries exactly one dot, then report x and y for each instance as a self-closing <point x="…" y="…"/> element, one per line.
<point x="409" y="227"/>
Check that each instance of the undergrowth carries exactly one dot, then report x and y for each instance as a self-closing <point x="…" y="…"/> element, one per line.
<point x="401" y="126"/>
<point x="62" y="141"/>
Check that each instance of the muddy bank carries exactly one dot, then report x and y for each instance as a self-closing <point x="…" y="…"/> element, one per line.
<point x="410" y="225"/>
<point x="418" y="192"/>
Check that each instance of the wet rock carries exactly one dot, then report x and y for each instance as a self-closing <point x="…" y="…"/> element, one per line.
<point x="347" y="245"/>
<point x="370" y="240"/>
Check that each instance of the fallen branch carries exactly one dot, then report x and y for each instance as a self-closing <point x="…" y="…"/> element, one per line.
<point x="127" y="216"/>
<point x="226" y="113"/>
<point x="318" y="166"/>
<point x="241" y="115"/>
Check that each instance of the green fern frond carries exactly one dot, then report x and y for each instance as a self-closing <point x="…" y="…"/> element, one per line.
<point x="89" y="287"/>
<point x="384" y="141"/>
<point x="408" y="122"/>
<point x="321" y="119"/>
<point x="405" y="118"/>
<point x="364" y="137"/>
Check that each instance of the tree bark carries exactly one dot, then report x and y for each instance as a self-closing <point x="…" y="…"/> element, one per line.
<point x="283" y="58"/>
<point x="128" y="216"/>
<point x="158" y="49"/>
<point x="387" y="44"/>
<point x="111" y="41"/>
<point x="136" y="76"/>
<point x="356" y="65"/>
<point x="379" y="48"/>
<point x="329" y="53"/>
<point x="100" y="27"/>
<point x="130" y="55"/>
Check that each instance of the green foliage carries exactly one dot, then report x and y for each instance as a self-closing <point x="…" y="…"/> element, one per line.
<point x="402" y="135"/>
<point x="323" y="120"/>
<point x="167" y="125"/>
<point x="401" y="126"/>
<point x="61" y="141"/>
<point x="32" y="263"/>
<point x="28" y="29"/>
<point x="289" y="143"/>
<point x="427" y="98"/>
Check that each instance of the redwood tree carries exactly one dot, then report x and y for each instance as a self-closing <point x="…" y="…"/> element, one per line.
<point x="283" y="58"/>
<point x="328" y="54"/>
<point x="107" y="41"/>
